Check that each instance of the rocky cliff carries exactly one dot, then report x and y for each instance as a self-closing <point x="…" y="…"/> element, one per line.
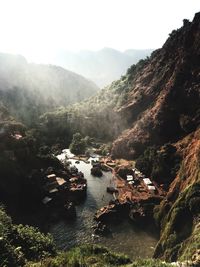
<point x="163" y="106"/>
<point x="178" y="213"/>
<point x="163" y="100"/>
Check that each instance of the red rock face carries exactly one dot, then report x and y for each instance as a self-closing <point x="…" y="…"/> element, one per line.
<point x="164" y="102"/>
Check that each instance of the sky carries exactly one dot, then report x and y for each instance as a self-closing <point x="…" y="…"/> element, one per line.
<point x="39" y="28"/>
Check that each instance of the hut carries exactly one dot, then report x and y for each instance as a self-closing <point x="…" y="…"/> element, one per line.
<point x="151" y="189"/>
<point x="61" y="182"/>
<point x="51" y="177"/>
<point x="129" y="178"/>
<point x="147" y="181"/>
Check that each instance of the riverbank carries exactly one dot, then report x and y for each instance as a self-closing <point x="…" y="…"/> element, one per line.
<point x="125" y="237"/>
<point x="135" y="195"/>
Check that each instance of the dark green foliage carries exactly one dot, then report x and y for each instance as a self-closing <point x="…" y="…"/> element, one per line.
<point x="56" y="127"/>
<point x="150" y="263"/>
<point x="96" y="256"/>
<point x="33" y="243"/>
<point x="104" y="149"/>
<point x="160" y="164"/>
<point x="18" y="158"/>
<point x="160" y="212"/>
<point x="178" y="226"/>
<point x="145" y="162"/>
<point x="85" y="256"/>
<point x="88" y="141"/>
<point x="194" y="205"/>
<point x="20" y="243"/>
<point x="95" y="117"/>
<point x="10" y="256"/>
<point x="35" y="89"/>
<point x="78" y="144"/>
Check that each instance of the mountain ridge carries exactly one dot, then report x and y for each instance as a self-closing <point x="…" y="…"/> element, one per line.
<point x="45" y="86"/>
<point x="102" y="66"/>
<point x="165" y="93"/>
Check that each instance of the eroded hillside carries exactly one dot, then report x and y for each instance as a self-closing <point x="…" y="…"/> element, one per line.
<point x="178" y="213"/>
<point x="163" y="103"/>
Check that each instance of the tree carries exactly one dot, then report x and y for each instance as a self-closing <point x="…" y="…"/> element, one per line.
<point x="78" y="144"/>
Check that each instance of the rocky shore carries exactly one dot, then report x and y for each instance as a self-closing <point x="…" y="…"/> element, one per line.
<point x="134" y="199"/>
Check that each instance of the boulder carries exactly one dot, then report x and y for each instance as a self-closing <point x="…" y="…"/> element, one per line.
<point x="96" y="171"/>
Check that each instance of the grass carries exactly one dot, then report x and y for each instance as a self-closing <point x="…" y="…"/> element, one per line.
<point x="191" y="245"/>
<point x="95" y="256"/>
<point x="181" y="240"/>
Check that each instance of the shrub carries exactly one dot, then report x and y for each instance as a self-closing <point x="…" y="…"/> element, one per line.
<point x="78" y="144"/>
<point x="20" y="243"/>
<point x="34" y="244"/>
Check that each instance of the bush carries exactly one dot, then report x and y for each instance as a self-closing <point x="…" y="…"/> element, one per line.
<point x="159" y="163"/>
<point x="85" y="256"/>
<point x="34" y="244"/>
<point x="20" y="243"/>
<point x="78" y="144"/>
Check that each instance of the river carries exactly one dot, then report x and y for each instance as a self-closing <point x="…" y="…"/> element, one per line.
<point x="125" y="236"/>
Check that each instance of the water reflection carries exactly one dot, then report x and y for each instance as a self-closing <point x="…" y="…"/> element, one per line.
<point x="126" y="237"/>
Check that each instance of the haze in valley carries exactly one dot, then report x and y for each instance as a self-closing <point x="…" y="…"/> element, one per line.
<point x="92" y="38"/>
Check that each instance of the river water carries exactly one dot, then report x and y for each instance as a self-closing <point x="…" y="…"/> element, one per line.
<point x="125" y="236"/>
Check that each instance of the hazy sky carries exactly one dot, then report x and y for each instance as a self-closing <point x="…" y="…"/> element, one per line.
<point x="37" y="28"/>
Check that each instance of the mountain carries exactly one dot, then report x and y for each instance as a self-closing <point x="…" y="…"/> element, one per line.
<point x="163" y="100"/>
<point x="155" y="102"/>
<point x="152" y="115"/>
<point x="31" y="89"/>
<point x="178" y="214"/>
<point x="103" y="66"/>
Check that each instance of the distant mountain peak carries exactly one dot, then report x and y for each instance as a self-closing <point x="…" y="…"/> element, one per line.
<point x="102" y="66"/>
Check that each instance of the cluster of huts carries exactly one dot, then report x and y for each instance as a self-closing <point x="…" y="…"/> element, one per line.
<point x="71" y="187"/>
<point x="138" y="177"/>
<point x="53" y="186"/>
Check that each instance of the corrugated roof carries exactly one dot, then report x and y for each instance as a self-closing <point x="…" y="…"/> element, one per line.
<point x="60" y="181"/>
<point x="50" y="176"/>
<point x="129" y="177"/>
<point x="147" y="181"/>
<point x="151" y="187"/>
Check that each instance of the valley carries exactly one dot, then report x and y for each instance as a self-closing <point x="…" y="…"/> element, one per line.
<point x="116" y="167"/>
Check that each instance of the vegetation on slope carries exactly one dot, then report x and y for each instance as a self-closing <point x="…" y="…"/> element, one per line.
<point x="159" y="100"/>
<point x="22" y="157"/>
<point x="29" y="90"/>
<point x="97" y="116"/>
<point x="93" y="256"/>
<point x="179" y="214"/>
<point x="19" y="244"/>
<point x="179" y="227"/>
<point x="26" y="246"/>
<point x="155" y="102"/>
<point x="161" y="164"/>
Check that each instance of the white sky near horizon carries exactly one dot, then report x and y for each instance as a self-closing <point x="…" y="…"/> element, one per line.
<point x="39" y="28"/>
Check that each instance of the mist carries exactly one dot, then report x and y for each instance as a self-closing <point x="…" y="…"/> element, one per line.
<point x="31" y="89"/>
